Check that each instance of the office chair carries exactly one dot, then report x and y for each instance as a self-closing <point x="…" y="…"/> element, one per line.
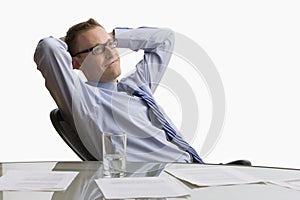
<point x="70" y="136"/>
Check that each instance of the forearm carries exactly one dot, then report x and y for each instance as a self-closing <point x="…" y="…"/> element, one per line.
<point x="158" y="46"/>
<point x="148" y="39"/>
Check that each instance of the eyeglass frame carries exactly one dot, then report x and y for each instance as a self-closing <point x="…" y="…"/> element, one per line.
<point x="92" y="49"/>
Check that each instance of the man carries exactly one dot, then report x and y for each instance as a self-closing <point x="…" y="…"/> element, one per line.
<point x="99" y="102"/>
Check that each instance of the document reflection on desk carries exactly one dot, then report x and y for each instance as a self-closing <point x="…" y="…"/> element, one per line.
<point x="36" y="181"/>
<point x="141" y="187"/>
<point x="201" y="175"/>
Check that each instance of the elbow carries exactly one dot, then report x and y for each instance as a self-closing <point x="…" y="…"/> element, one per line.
<point x="169" y="39"/>
<point x="48" y="47"/>
<point x="170" y="35"/>
<point x="44" y="47"/>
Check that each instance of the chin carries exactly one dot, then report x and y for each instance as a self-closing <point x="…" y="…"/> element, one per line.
<point x="115" y="71"/>
<point x="110" y="77"/>
<point x="116" y="75"/>
<point x="111" y="73"/>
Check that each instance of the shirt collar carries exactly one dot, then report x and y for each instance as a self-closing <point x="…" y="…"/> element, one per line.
<point x="108" y="85"/>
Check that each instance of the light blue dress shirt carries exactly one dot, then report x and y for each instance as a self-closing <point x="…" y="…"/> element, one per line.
<point x="94" y="108"/>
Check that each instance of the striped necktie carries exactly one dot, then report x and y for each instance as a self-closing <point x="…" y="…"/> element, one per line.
<point x="171" y="133"/>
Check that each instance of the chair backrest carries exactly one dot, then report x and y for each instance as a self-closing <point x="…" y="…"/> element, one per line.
<point x="70" y="136"/>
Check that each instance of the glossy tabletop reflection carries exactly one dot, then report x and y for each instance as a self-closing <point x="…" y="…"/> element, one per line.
<point x="84" y="187"/>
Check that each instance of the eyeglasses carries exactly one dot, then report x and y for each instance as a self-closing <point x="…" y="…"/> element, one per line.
<point x="99" y="48"/>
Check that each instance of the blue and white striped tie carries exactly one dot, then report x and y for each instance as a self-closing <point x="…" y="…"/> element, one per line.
<point x="171" y="134"/>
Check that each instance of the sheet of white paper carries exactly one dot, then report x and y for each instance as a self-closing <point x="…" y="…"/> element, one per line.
<point x="295" y="183"/>
<point x="291" y="184"/>
<point x="211" y="176"/>
<point x="140" y="187"/>
<point x="36" y="180"/>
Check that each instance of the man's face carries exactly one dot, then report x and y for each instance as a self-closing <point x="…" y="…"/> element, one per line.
<point x="103" y="67"/>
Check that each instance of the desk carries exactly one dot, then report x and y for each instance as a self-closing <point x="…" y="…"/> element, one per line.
<point x="84" y="187"/>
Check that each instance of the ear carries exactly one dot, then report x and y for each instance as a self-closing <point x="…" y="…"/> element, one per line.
<point x="75" y="63"/>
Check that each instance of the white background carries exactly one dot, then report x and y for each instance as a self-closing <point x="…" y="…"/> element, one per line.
<point x="253" y="44"/>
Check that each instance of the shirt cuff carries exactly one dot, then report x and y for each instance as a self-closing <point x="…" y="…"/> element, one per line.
<point x="119" y="33"/>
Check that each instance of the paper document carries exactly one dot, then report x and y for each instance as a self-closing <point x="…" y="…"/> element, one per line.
<point x="211" y="175"/>
<point x="36" y="180"/>
<point x="295" y="183"/>
<point x="140" y="187"/>
<point x="291" y="184"/>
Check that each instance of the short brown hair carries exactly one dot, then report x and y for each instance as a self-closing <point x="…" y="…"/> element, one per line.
<point x="75" y="30"/>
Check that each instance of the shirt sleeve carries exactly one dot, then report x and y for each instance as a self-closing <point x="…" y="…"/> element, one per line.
<point x="157" y="43"/>
<point x="55" y="64"/>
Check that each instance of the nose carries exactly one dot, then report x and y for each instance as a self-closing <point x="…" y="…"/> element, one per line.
<point x="109" y="52"/>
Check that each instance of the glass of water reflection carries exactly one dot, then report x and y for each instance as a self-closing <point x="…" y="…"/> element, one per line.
<point x="114" y="154"/>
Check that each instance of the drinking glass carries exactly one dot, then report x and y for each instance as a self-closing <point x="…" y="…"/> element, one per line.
<point x="114" y="154"/>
